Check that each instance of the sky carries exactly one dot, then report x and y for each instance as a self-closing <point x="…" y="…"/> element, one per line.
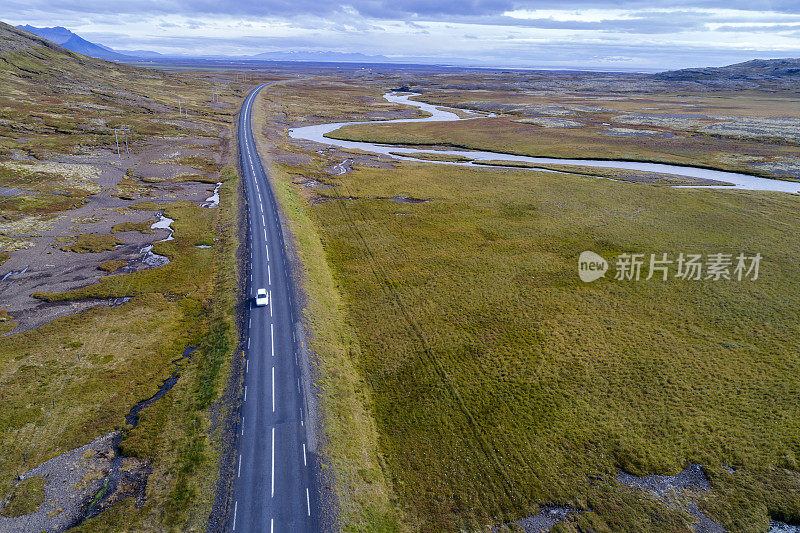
<point x="618" y="35"/>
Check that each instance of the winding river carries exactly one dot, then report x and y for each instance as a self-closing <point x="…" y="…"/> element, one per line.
<point x="317" y="133"/>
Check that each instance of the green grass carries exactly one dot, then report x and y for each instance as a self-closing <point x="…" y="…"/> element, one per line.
<point x="636" y="176"/>
<point x="112" y="266"/>
<point x="434" y="157"/>
<point x="204" y="164"/>
<point x="500" y="381"/>
<point x="141" y="227"/>
<point x="24" y="498"/>
<point x="4" y="257"/>
<point x="92" y="243"/>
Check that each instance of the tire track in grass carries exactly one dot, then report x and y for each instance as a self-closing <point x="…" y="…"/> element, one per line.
<point x="489" y="452"/>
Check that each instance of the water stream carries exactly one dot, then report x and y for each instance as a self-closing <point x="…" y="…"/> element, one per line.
<point x="317" y="133"/>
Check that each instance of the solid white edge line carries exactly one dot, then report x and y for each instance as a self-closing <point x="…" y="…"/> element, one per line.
<point x="272" y="477"/>
<point x="235" y="508"/>
<point x="308" y="502"/>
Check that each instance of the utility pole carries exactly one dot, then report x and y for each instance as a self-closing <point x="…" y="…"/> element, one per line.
<point x="116" y="139"/>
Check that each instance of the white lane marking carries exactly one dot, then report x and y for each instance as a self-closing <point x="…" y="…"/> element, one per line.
<point x="273" y="389"/>
<point x="269" y="276"/>
<point x="265" y="234"/>
<point x="248" y="343"/>
<point x="239" y="472"/>
<point x="308" y="502"/>
<point x="270" y="524"/>
<point x="270" y="299"/>
<point x="304" y="456"/>
<point x="248" y="366"/>
<point x="262" y="220"/>
<point x="266" y="246"/>
<point x="272" y="339"/>
<point x="250" y="323"/>
<point x="242" y="424"/>
<point x="272" y="480"/>
<point x="245" y="393"/>
<point x="235" y="508"/>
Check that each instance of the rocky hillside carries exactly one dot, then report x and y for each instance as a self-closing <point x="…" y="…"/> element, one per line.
<point x="755" y="70"/>
<point x="24" y="55"/>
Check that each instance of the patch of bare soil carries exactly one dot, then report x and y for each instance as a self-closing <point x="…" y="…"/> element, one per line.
<point x="72" y="482"/>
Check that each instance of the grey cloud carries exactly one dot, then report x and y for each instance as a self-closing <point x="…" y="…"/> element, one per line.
<point x="379" y="9"/>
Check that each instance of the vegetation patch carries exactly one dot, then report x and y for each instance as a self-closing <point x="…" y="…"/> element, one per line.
<point x="24" y="497"/>
<point x="634" y="176"/>
<point x="429" y="156"/>
<point x="204" y="164"/>
<point x="141" y="227"/>
<point x="112" y="266"/>
<point x="92" y="243"/>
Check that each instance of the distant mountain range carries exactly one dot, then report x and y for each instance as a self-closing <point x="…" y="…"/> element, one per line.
<point x="787" y="70"/>
<point x="76" y="43"/>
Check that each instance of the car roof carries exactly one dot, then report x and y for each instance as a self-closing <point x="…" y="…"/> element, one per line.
<point x="262" y="291"/>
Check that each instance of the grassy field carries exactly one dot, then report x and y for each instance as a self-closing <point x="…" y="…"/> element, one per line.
<point x="500" y="382"/>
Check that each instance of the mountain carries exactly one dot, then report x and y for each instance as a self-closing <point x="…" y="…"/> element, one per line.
<point x="754" y="70"/>
<point x="76" y="43"/>
<point x="322" y="57"/>
<point x="32" y="67"/>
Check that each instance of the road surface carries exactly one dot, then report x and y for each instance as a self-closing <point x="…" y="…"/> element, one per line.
<point x="276" y="488"/>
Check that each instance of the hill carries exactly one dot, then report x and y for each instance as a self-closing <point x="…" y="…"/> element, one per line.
<point x="755" y="70"/>
<point x="74" y="42"/>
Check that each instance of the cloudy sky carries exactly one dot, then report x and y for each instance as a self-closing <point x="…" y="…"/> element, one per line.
<point x="623" y="34"/>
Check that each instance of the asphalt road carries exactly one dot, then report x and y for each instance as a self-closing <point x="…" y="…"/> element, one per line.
<point x="276" y="488"/>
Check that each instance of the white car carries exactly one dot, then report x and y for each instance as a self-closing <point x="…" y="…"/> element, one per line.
<point x="262" y="298"/>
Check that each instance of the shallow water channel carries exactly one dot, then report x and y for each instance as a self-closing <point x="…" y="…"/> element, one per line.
<point x="317" y="133"/>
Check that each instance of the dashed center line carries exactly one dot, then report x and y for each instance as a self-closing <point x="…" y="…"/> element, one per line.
<point x="272" y="477"/>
